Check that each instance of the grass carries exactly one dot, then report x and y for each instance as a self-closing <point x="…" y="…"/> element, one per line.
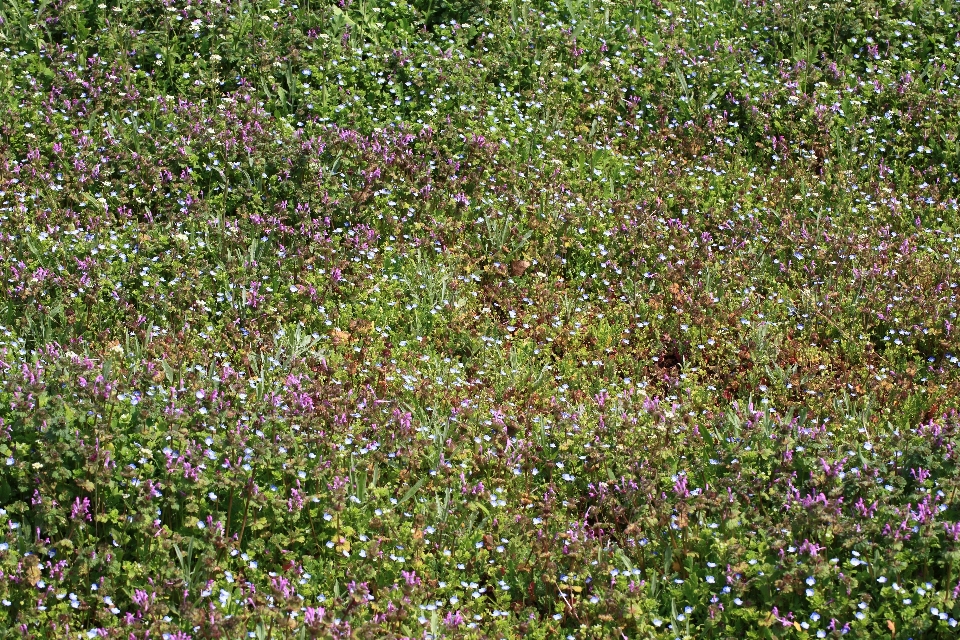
<point x="479" y="319"/>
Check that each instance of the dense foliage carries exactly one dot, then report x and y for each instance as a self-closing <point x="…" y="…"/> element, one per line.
<point x="499" y="318"/>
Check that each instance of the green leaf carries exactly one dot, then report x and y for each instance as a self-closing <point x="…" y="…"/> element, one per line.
<point x="412" y="490"/>
<point x="167" y="370"/>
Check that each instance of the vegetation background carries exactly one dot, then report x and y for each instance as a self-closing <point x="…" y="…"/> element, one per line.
<point x="492" y="318"/>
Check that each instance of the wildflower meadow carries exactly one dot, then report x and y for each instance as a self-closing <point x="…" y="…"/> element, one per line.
<point x="575" y="319"/>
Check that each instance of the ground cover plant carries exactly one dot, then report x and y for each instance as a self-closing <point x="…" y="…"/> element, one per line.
<point x="494" y="319"/>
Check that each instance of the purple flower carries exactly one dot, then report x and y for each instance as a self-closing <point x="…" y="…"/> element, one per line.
<point x="81" y="510"/>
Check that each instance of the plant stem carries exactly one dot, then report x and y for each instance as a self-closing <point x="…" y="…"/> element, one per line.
<point x="246" y="510"/>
